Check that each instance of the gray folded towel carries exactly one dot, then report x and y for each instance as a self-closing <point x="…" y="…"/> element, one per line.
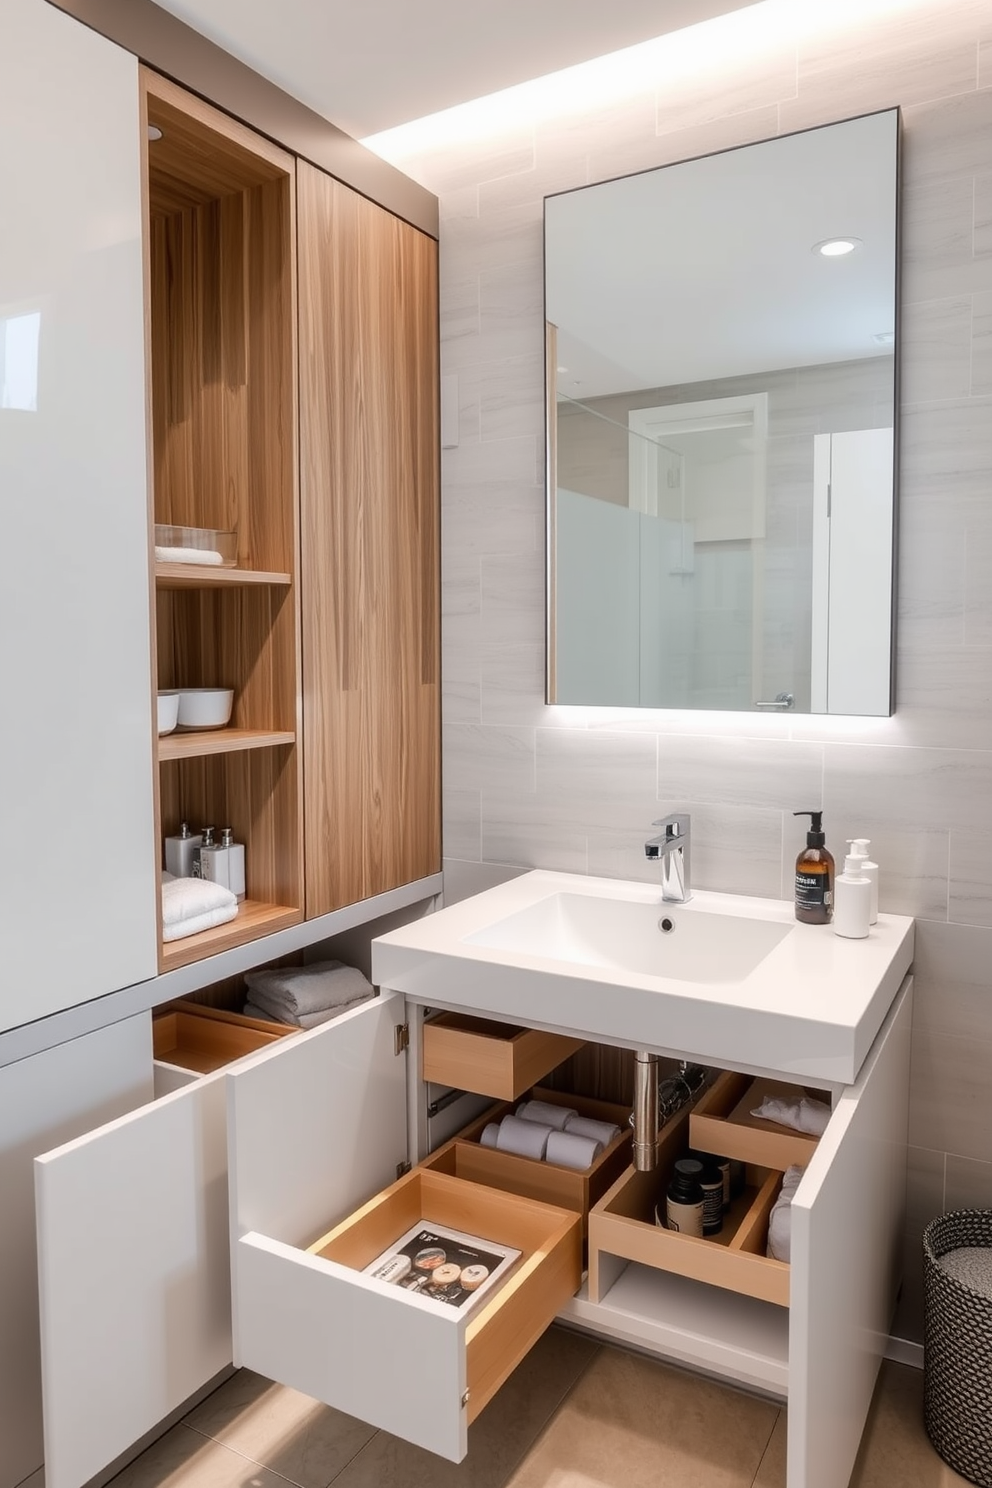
<point x="295" y="992"/>
<point x="307" y="1020"/>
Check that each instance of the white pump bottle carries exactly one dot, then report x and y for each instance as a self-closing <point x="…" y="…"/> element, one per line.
<point x="859" y="848"/>
<point x="852" y="900"/>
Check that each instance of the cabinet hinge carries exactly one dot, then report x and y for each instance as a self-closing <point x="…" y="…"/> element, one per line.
<point x="401" y="1038"/>
<point x="402" y="1168"/>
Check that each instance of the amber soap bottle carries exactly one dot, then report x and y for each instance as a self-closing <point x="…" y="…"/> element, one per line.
<point x="814" y="875"/>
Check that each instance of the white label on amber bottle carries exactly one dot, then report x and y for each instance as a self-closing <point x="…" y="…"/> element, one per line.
<point x="686" y="1218"/>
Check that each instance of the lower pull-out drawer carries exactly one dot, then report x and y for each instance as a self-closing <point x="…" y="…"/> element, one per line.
<point x="490" y="1058"/>
<point x="417" y="1367"/>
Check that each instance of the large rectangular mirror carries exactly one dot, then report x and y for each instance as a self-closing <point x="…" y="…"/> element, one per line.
<point x="721" y="428"/>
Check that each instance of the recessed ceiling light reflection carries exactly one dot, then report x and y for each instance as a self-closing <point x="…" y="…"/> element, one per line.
<point x="836" y="247"/>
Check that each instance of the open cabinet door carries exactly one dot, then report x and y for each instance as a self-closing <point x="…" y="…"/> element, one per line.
<point x="847" y="1221"/>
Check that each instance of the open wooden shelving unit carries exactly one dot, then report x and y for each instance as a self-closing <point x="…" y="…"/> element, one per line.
<point x="221" y="322"/>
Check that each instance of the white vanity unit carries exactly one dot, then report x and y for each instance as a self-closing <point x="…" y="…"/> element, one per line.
<point x="316" y="1126"/>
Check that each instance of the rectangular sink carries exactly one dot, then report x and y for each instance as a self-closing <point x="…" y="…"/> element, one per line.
<point x="660" y="940"/>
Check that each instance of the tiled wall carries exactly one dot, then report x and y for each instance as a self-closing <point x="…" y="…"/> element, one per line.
<point x="576" y="789"/>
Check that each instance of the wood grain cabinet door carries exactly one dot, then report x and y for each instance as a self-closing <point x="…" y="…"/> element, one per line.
<point x="368" y="349"/>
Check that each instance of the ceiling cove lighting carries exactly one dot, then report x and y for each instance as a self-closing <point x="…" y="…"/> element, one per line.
<point x="837" y="247"/>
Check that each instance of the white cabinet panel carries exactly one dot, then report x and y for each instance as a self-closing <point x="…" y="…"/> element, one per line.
<point x="45" y="1100"/>
<point x="847" y="1222"/>
<point x="134" y="1265"/>
<point x="75" y="666"/>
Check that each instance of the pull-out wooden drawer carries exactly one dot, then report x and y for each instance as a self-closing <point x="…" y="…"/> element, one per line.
<point x="721" y="1122"/>
<point x="313" y="1132"/>
<point x="490" y="1058"/>
<point x="205" y="1039"/>
<point x="549" y="1183"/>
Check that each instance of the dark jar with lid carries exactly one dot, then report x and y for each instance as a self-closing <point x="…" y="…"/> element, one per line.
<point x="684" y="1199"/>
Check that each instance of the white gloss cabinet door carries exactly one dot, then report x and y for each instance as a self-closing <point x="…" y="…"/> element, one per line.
<point x="78" y="885"/>
<point x="847" y="1224"/>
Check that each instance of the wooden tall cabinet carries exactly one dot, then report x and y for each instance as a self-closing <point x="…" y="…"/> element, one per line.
<point x="369" y="534"/>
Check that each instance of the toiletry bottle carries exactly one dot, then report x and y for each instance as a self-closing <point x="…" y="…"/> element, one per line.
<point x="213" y="859"/>
<point x="179" y="852"/>
<point x="852" y="900"/>
<point x="235" y="863"/>
<point x="684" y="1199"/>
<point x="859" y="847"/>
<point x="206" y="841"/>
<point x="814" y="875"/>
<point x="711" y="1182"/>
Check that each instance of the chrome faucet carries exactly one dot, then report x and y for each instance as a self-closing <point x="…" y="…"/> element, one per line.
<point x="672" y="849"/>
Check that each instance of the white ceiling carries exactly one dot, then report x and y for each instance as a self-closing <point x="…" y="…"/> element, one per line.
<point x="368" y="65"/>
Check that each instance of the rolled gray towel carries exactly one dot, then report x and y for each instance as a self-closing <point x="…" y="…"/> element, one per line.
<point x="294" y="992"/>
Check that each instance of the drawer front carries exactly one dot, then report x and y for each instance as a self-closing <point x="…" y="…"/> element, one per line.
<point x="195" y="1039"/>
<point x="721" y="1122"/>
<point x="490" y="1058"/>
<point x="422" y="1371"/>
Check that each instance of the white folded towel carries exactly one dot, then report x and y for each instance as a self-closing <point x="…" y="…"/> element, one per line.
<point x="190" y="905"/>
<point x="779" y="1245"/>
<point x="295" y="992"/>
<point x="207" y="556"/>
<point x="810" y="1116"/>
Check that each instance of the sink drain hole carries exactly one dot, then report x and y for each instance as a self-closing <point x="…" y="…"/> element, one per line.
<point x="665" y="925"/>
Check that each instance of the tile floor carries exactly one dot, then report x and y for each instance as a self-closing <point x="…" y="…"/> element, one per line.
<point x="573" y="1415"/>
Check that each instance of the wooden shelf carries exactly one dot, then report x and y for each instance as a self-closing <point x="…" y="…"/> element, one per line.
<point x="220" y="741"/>
<point x="253" y="919"/>
<point x="198" y="576"/>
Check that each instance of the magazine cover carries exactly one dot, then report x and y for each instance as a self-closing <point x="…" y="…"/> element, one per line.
<point x="444" y="1264"/>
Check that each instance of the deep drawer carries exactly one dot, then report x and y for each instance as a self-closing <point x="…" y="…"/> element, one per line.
<point x="566" y="1188"/>
<point x="205" y="1039"/>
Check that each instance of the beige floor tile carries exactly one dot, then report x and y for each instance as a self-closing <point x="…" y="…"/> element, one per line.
<point x="895" y="1448"/>
<point x="297" y="1437"/>
<point x="184" y="1457"/>
<point x="632" y="1423"/>
<point x="771" y="1473"/>
<point x="498" y="1439"/>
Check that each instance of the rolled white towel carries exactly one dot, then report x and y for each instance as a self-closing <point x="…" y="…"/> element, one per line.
<point x="603" y="1132"/>
<point x="779" y="1245"/>
<point x="190" y="905"/>
<point x="546" y="1114"/>
<point x="810" y="1116"/>
<point x="490" y="1135"/>
<point x="206" y="556"/>
<point x="523" y="1138"/>
<point x="569" y="1150"/>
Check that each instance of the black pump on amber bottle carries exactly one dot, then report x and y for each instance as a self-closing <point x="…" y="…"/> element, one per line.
<point x="814" y="875"/>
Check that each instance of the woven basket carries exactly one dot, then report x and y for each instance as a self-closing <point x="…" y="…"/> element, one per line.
<point x="957" y="1391"/>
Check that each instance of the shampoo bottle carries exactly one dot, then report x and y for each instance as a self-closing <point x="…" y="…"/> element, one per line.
<point x="180" y="852"/>
<point x="859" y="847"/>
<point x="814" y="875"/>
<point x="852" y="900"/>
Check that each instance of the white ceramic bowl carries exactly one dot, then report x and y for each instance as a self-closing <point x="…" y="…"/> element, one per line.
<point x="205" y="707"/>
<point x="168" y="711"/>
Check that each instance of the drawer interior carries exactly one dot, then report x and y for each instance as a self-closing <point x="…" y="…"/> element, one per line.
<point x="203" y="1042"/>
<point x="491" y="1058"/>
<point x="721" y="1122"/>
<point x="510" y="1319"/>
<point x="623" y="1225"/>
<point x="568" y="1188"/>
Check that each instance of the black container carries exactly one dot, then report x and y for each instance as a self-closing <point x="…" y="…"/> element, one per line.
<point x="684" y="1202"/>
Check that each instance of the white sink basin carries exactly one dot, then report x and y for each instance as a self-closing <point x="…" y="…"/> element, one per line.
<point x="654" y="939"/>
<point x="736" y="981"/>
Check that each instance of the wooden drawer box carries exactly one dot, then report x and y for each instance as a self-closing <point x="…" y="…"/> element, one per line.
<point x="205" y="1039"/>
<point x="622" y="1224"/>
<point x="567" y="1188"/>
<point x="489" y="1058"/>
<point x="721" y="1122"/>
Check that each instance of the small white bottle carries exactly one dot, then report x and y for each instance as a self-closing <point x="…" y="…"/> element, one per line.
<point x="212" y="859"/>
<point x="235" y="863"/>
<point x="852" y="900"/>
<point x="180" y="852"/>
<point x="859" y="847"/>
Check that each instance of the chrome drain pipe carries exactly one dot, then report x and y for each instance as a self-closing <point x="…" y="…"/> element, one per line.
<point x="645" y="1117"/>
